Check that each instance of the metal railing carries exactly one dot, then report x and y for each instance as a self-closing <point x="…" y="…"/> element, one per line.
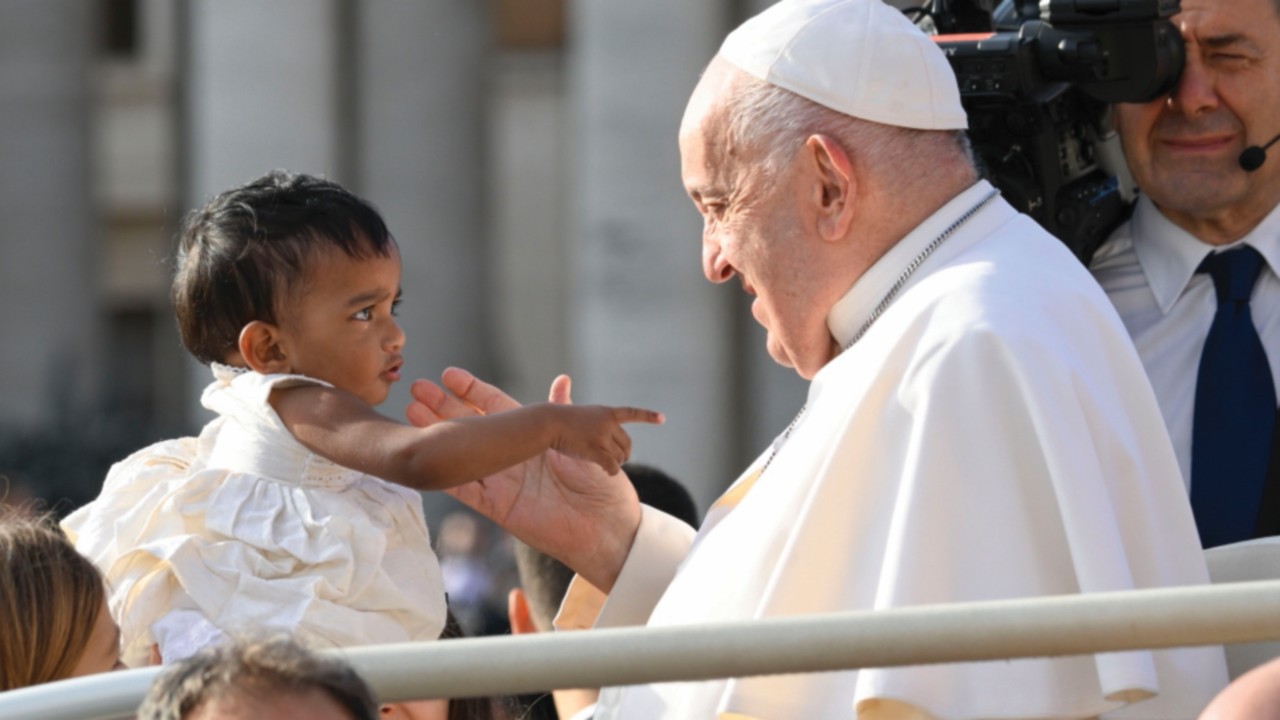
<point x="1038" y="627"/>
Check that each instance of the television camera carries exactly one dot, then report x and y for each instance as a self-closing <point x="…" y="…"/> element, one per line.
<point x="1037" y="80"/>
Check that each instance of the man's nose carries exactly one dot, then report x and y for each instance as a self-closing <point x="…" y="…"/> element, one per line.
<point x="714" y="265"/>
<point x="1196" y="91"/>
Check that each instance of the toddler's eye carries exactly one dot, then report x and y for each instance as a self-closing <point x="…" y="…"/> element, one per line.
<point x="365" y="314"/>
<point x="395" y="307"/>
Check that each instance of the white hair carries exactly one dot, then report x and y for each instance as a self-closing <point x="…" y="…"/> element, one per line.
<point x="774" y="122"/>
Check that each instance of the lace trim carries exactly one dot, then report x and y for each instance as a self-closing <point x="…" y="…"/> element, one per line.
<point x="319" y="471"/>
<point x="224" y="374"/>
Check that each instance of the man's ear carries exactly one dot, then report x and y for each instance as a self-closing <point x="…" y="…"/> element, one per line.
<point x="518" y="614"/>
<point x="833" y="188"/>
<point x="260" y="346"/>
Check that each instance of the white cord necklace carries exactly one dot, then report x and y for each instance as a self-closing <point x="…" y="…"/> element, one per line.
<point x="884" y="305"/>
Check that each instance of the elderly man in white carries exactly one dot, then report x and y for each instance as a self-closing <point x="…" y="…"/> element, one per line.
<point x="978" y="424"/>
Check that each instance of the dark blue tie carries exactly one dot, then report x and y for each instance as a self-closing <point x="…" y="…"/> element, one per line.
<point x="1235" y="407"/>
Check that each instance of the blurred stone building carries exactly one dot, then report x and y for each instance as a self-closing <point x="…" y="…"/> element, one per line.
<point x="523" y="153"/>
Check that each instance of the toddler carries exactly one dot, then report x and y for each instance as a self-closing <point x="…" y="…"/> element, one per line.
<point x="279" y="515"/>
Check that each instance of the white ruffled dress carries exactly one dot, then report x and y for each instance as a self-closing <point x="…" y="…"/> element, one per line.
<point x="243" y="529"/>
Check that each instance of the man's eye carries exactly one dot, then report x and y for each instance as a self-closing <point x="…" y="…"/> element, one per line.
<point x="365" y="314"/>
<point x="395" y="307"/>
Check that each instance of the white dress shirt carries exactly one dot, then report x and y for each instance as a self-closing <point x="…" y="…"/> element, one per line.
<point x="1148" y="269"/>
<point x="992" y="436"/>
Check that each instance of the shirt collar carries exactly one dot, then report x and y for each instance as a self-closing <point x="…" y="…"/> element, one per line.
<point x="1170" y="255"/>
<point x="851" y="312"/>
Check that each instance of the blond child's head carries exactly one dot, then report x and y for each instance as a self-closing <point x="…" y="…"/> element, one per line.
<point x="53" y="607"/>
<point x="291" y="273"/>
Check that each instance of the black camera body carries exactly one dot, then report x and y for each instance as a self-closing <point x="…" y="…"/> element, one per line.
<point x="1037" y="83"/>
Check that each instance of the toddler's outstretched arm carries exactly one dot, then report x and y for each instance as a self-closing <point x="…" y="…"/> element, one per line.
<point x="339" y="426"/>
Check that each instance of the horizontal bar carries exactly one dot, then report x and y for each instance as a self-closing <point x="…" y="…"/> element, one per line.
<point x="923" y="635"/>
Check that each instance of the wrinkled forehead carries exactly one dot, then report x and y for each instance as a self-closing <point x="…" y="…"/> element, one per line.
<point x="1214" y="18"/>
<point x="707" y="102"/>
<point x="704" y="130"/>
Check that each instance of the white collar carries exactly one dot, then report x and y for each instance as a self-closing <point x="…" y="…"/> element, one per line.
<point x="1170" y="255"/>
<point x="853" y="310"/>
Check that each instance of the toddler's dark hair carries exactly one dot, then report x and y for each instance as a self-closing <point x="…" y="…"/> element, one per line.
<point x="242" y="254"/>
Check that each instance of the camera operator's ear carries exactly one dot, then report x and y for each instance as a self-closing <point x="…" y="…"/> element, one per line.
<point x="261" y="349"/>
<point x="834" y="186"/>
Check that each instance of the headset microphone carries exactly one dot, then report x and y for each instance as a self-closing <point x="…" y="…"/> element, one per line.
<point x="1253" y="156"/>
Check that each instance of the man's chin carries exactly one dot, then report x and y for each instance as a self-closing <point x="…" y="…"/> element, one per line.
<point x="783" y="358"/>
<point x="778" y="352"/>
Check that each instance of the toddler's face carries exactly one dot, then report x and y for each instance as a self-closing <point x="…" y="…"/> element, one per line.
<point x="342" y="328"/>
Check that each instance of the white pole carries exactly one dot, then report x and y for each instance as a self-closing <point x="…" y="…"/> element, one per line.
<point x="101" y="697"/>
<point x="1039" y="627"/>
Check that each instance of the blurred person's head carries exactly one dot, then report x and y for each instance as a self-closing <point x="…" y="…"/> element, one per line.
<point x="54" y="621"/>
<point x="657" y="489"/>
<point x="16" y="494"/>
<point x="274" y="678"/>
<point x="544" y="580"/>
<point x="481" y="708"/>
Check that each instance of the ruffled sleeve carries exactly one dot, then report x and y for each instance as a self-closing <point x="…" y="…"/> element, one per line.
<point x="243" y="529"/>
<point x="131" y="511"/>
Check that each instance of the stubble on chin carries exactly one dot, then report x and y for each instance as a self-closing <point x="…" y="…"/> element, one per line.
<point x="1194" y="187"/>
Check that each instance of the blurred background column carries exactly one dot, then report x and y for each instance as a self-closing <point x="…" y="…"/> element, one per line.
<point x="422" y="83"/>
<point x="387" y="98"/>
<point x="50" y="326"/>
<point x="265" y="88"/>
<point x="644" y="327"/>
<point x="527" y="179"/>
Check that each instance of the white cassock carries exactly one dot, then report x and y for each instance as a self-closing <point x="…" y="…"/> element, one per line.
<point x="992" y="436"/>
